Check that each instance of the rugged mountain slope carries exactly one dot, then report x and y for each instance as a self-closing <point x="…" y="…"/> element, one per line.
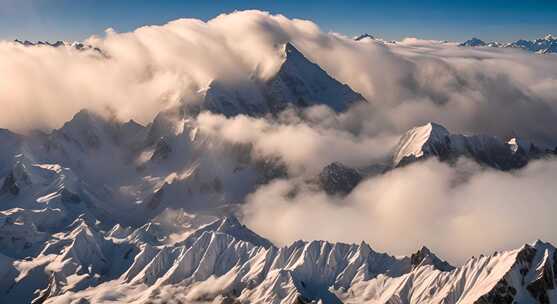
<point x="104" y="211"/>
<point x="220" y="266"/>
<point x="298" y="82"/>
<point x="74" y="45"/>
<point x="434" y="140"/>
<point x="101" y="210"/>
<point x="523" y="275"/>
<point x="86" y="262"/>
<point x="473" y="42"/>
<point x="125" y="171"/>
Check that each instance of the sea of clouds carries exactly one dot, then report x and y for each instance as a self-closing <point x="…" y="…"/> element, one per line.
<point x="459" y="210"/>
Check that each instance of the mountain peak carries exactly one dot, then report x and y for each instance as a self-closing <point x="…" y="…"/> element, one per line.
<point x="424" y="256"/>
<point x="84" y="120"/>
<point x="424" y="250"/>
<point x="433" y="139"/>
<point x="290" y="50"/>
<point x="473" y="42"/>
<point x="293" y="56"/>
<point x="303" y="83"/>
<point x="299" y="82"/>
<point x="415" y="142"/>
<point x="230" y="225"/>
<point x="229" y="222"/>
<point x="364" y="36"/>
<point x="84" y="114"/>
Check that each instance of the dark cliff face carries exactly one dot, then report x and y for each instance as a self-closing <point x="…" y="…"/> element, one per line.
<point x="9" y="185"/>
<point x="338" y="179"/>
<point x="425" y="257"/>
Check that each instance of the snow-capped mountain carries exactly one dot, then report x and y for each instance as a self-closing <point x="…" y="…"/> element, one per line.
<point x="473" y="42"/>
<point x="545" y="45"/>
<point x="225" y="262"/>
<point x="524" y="275"/>
<point x="80" y="46"/>
<point x="126" y="169"/>
<point x="105" y="211"/>
<point x="47" y="43"/>
<point x="101" y="210"/>
<point x="298" y="82"/>
<point x="435" y="140"/>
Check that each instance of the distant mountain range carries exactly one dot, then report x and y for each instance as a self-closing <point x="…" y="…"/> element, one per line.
<point x="76" y="44"/>
<point x="545" y="45"/>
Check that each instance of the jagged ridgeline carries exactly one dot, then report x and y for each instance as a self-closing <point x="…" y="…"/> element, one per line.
<point x="545" y="45"/>
<point x="103" y="211"/>
<point x="298" y="82"/>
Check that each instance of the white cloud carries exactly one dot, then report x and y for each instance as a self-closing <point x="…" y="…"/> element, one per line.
<point x="155" y="67"/>
<point x="495" y="91"/>
<point x="428" y="203"/>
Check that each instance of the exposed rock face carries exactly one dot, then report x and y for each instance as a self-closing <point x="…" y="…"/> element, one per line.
<point x="473" y="42"/>
<point x="425" y="257"/>
<point x="531" y="277"/>
<point x="73" y="45"/>
<point x="544" y="279"/>
<point x="434" y="140"/>
<point x="162" y="150"/>
<point x="338" y="179"/>
<point x="298" y="82"/>
<point x="9" y="185"/>
<point x="545" y="45"/>
<point x="502" y="293"/>
<point x="303" y="83"/>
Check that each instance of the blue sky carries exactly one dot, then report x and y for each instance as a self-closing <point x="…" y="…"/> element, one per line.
<point x="394" y="19"/>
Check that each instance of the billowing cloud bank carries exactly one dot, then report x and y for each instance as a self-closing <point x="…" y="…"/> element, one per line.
<point x="423" y="204"/>
<point x="500" y="92"/>
<point x="155" y="67"/>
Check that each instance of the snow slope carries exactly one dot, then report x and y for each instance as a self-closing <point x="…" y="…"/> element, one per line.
<point x="213" y="265"/>
<point x="105" y="211"/>
<point x="102" y="211"/>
